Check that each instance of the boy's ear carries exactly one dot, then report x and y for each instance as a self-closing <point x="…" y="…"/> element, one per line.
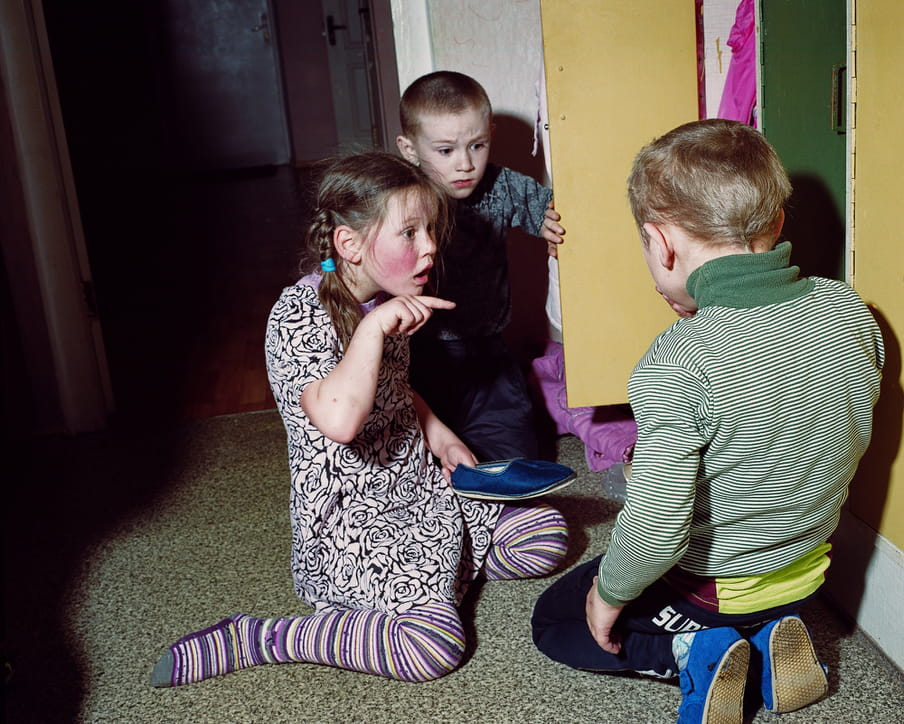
<point x="347" y="243"/>
<point x="780" y="224"/>
<point x="406" y="148"/>
<point x="660" y="242"/>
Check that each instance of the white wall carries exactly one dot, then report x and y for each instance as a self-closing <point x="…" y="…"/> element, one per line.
<point x="497" y="42"/>
<point x="414" y="53"/>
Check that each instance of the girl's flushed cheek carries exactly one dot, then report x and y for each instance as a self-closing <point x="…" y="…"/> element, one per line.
<point x="395" y="264"/>
<point x="394" y="261"/>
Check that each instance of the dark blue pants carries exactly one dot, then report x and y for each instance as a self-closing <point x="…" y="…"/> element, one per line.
<point x="646" y="625"/>
<point x="476" y="387"/>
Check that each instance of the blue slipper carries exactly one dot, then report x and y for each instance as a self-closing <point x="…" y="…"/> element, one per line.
<point x="712" y="674"/>
<point x="510" y="479"/>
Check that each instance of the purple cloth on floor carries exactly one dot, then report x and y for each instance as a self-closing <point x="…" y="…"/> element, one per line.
<point x="608" y="432"/>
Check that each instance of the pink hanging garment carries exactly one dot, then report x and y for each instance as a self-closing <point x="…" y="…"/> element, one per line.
<point x="739" y="95"/>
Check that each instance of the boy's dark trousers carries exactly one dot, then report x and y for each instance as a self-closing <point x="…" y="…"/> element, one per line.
<point x="646" y="625"/>
<point x="476" y="387"/>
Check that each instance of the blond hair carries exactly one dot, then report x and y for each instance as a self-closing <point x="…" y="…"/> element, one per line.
<point x="719" y="180"/>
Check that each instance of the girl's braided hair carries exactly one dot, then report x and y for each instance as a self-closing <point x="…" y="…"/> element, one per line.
<point x="354" y="192"/>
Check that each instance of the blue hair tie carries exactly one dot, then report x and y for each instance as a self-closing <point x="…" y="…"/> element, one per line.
<point x="328" y="265"/>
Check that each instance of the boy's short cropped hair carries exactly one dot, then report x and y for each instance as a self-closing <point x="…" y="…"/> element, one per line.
<point x="444" y="91"/>
<point x="719" y="180"/>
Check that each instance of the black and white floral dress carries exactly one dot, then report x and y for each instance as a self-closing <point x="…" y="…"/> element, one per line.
<point x="374" y="524"/>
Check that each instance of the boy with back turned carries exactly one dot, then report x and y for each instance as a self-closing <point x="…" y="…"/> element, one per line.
<point x="753" y="411"/>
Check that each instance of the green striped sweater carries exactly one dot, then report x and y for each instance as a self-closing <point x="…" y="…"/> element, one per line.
<point x="752" y="416"/>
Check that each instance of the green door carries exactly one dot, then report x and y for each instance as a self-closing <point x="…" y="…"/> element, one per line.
<point x="803" y="101"/>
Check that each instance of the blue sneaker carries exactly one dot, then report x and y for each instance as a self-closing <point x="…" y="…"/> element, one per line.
<point x="510" y="479"/>
<point x="712" y="673"/>
<point x="792" y="676"/>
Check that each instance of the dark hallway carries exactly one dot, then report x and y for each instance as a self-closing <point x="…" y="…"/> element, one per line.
<point x="186" y="261"/>
<point x="190" y="269"/>
<point x="186" y="265"/>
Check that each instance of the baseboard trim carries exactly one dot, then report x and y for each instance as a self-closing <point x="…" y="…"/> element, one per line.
<point x="866" y="580"/>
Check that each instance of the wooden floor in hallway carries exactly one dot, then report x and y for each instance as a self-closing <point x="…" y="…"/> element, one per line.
<point x="185" y="287"/>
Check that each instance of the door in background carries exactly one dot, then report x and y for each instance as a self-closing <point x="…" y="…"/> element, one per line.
<point x="617" y="75"/>
<point x="803" y="102"/>
<point x="221" y="82"/>
<point x="348" y="36"/>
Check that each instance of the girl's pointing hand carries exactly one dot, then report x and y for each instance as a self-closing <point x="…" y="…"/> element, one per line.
<point x="407" y="313"/>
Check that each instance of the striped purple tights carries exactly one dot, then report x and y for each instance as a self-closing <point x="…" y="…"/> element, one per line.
<point x="424" y="643"/>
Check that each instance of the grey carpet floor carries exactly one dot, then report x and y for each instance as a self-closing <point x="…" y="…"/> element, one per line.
<point x="117" y="544"/>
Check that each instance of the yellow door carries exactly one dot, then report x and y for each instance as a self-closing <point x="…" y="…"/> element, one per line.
<point x="877" y="495"/>
<point x="618" y="74"/>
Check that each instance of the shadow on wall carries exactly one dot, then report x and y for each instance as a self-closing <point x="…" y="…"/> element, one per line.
<point x="528" y="331"/>
<point x="513" y="143"/>
<point x="815" y="228"/>
<point x="869" y="489"/>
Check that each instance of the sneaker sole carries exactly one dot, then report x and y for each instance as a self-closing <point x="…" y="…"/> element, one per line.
<point x="798" y="678"/>
<point x="725" y="698"/>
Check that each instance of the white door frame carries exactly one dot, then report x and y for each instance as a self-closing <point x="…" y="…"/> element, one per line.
<point x="387" y="73"/>
<point x="414" y="49"/>
<point x="56" y="288"/>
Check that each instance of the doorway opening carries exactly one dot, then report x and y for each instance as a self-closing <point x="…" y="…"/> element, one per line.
<point x="192" y="223"/>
